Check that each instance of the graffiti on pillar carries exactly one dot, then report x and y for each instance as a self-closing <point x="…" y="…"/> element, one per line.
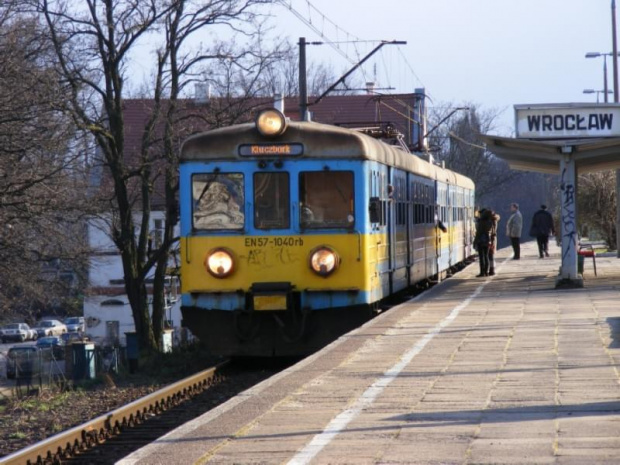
<point x="568" y="213"/>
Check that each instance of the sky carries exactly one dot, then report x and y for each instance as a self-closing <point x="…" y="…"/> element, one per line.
<point x="490" y="53"/>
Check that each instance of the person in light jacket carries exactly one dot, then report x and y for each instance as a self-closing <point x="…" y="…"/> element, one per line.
<point x="514" y="227"/>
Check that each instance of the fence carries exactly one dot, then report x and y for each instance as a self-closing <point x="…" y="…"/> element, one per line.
<point x="56" y="367"/>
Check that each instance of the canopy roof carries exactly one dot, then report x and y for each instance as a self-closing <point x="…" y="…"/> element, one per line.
<point x="544" y="156"/>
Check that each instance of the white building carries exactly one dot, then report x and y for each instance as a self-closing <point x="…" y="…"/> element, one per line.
<point x="106" y="307"/>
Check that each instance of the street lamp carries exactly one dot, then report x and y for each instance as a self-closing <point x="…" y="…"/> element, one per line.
<point x="604" y="55"/>
<point x="597" y="92"/>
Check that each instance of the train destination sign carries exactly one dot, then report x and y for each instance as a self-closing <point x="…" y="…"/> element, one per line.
<point x="254" y="150"/>
<point x="567" y="121"/>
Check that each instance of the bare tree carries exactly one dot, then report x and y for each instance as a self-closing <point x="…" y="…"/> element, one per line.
<point x="92" y="41"/>
<point x="283" y="76"/>
<point x="41" y="179"/>
<point x="596" y="203"/>
<point x="235" y="75"/>
<point x="456" y="142"/>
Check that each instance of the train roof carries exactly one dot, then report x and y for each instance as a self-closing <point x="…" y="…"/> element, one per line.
<point x="319" y="141"/>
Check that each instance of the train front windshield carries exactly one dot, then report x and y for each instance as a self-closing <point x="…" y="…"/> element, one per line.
<point x="271" y="201"/>
<point x="326" y="199"/>
<point x="218" y="201"/>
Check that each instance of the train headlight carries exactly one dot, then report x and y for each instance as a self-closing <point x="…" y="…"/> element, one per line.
<point x="324" y="261"/>
<point x="271" y="123"/>
<point x="220" y="263"/>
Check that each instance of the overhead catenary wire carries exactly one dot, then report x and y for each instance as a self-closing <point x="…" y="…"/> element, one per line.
<point x="314" y="12"/>
<point x="308" y="21"/>
<point x="460" y="139"/>
<point x="404" y="58"/>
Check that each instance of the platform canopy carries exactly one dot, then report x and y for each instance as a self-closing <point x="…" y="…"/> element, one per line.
<point x="545" y="155"/>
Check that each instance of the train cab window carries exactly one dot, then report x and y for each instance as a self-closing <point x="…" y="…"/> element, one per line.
<point x="218" y="201"/>
<point x="271" y="201"/>
<point x="326" y="199"/>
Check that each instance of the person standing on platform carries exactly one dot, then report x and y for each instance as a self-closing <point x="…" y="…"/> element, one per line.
<point x="514" y="227"/>
<point x="542" y="228"/>
<point x="482" y="240"/>
<point x="493" y="245"/>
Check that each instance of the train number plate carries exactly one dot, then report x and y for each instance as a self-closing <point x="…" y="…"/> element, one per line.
<point x="269" y="302"/>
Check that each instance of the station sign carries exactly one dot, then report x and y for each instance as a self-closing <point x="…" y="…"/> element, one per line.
<point x="567" y="121"/>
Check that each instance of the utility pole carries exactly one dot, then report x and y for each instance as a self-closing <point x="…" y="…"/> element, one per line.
<point x="614" y="49"/>
<point x="303" y="83"/>
<point x="615" y="62"/>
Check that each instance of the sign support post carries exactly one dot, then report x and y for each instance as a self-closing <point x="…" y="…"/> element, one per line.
<point x="569" y="276"/>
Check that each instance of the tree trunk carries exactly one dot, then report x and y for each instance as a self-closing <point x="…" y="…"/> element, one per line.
<point x="138" y="300"/>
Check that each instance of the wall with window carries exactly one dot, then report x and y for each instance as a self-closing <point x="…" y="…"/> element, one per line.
<point x="106" y="305"/>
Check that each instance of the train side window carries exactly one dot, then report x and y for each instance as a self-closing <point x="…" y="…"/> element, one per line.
<point x="271" y="201"/>
<point x="326" y="199"/>
<point x="218" y="201"/>
<point x="374" y="209"/>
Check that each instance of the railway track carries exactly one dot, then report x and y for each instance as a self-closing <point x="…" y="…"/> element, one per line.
<point x="134" y="425"/>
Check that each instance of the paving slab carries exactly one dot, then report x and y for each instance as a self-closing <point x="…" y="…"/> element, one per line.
<point x="504" y="370"/>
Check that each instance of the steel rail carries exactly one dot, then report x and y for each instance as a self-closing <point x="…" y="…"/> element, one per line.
<point x="80" y="438"/>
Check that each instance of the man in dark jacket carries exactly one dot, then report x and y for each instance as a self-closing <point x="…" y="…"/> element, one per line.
<point x="482" y="240"/>
<point x="542" y="227"/>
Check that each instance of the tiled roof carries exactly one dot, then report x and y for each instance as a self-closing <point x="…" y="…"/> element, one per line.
<point x="361" y="110"/>
<point x="345" y="110"/>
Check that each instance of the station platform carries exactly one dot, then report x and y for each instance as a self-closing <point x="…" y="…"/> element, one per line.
<point x="498" y="370"/>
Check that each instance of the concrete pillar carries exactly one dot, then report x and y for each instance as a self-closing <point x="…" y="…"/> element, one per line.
<point x="568" y="184"/>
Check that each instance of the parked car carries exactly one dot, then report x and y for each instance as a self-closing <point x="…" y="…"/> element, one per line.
<point x="22" y="361"/>
<point x="53" y="344"/>
<point x="75" y="323"/>
<point x="19" y="332"/>
<point x="70" y="337"/>
<point x="50" y="328"/>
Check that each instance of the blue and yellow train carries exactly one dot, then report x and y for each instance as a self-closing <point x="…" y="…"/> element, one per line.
<point x="293" y="233"/>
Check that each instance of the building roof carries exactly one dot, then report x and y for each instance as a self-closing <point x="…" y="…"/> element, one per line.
<point x="362" y="111"/>
<point x="343" y="110"/>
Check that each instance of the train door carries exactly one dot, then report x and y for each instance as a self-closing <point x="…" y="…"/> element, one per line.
<point x="410" y="262"/>
<point x="468" y="222"/>
<point x="443" y="226"/>
<point x="463" y="224"/>
<point x="437" y="233"/>
<point x="399" y="235"/>
<point x="380" y="240"/>
<point x="417" y="239"/>
<point x="391" y="227"/>
<point x="430" y="210"/>
<point x="450" y="221"/>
